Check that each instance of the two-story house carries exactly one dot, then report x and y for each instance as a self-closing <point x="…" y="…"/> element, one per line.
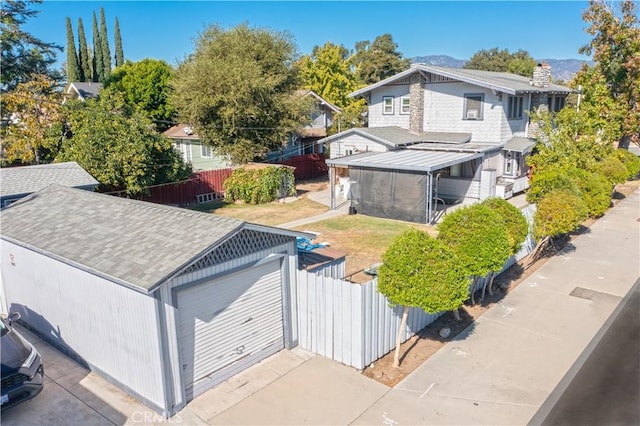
<point x="439" y="134"/>
<point x="193" y="151"/>
<point x="306" y="141"/>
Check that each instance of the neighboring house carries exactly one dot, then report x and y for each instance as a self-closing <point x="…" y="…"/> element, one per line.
<point x="18" y="182"/>
<point x="306" y="142"/>
<point x="440" y="134"/>
<point x="194" y="151"/>
<point x="163" y="313"/>
<point x="82" y="90"/>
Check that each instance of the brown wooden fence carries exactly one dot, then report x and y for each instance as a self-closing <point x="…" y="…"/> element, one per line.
<point x="201" y="187"/>
<point x="308" y="166"/>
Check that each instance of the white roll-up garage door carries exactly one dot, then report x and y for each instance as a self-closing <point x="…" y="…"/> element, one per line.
<point x="229" y="324"/>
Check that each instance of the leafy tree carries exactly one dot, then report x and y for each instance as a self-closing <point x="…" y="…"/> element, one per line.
<point x="478" y="235"/>
<point x="514" y="220"/>
<point x="420" y="271"/>
<point x="612" y="169"/>
<point x="378" y="60"/>
<point x="615" y="47"/>
<point x="328" y="73"/>
<point x="237" y="91"/>
<point x="630" y="161"/>
<point x="118" y="41"/>
<point x="83" y="53"/>
<point x="520" y="62"/>
<point x="558" y="212"/>
<point x="352" y="115"/>
<point x="22" y="53"/>
<point x="145" y="87"/>
<point x="31" y="135"/>
<point x="98" y="64"/>
<point x="122" y="152"/>
<point x="73" y="68"/>
<point x="104" y="46"/>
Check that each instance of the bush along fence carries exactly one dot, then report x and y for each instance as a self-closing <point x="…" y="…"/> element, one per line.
<point x="353" y="323"/>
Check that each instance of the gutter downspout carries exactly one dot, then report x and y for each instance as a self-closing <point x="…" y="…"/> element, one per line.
<point x="429" y="198"/>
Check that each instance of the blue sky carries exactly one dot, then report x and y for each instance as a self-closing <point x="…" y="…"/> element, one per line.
<point x="166" y="29"/>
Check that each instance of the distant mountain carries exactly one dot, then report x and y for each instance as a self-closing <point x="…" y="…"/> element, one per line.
<point x="561" y="69"/>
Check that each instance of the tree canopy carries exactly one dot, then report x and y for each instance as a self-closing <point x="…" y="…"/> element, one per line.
<point x="420" y="271"/>
<point x="145" y="87"/>
<point x="377" y="60"/>
<point x="23" y="54"/>
<point x="121" y="151"/>
<point x="494" y="59"/>
<point x="615" y="47"/>
<point x="237" y="89"/>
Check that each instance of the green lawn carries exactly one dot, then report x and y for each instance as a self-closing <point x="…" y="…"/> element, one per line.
<point x="265" y="214"/>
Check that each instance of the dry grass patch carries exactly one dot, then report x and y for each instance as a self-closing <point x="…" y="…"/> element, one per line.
<point x="270" y="214"/>
<point x="363" y="238"/>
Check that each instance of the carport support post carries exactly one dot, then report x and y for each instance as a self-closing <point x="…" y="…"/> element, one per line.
<point x="332" y="173"/>
<point x="429" y="197"/>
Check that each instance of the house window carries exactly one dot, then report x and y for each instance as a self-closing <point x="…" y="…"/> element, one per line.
<point x="205" y="151"/>
<point x="405" y="105"/>
<point x="473" y="106"/>
<point x="184" y="149"/>
<point x="387" y="105"/>
<point x="454" y="171"/>
<point x="514" y="109"/>
<point x="556" y="103"/>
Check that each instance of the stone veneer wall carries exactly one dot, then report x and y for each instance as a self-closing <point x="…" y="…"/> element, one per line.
<point x="416" y="103"/>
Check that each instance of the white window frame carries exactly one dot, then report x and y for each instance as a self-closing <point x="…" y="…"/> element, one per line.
<point x="405" y="109"/>
<point x="467" y="113"/>
<point x="512" y="163"/>
<point x="515" y="108"/>
<point x="203" y="151"/>
<point x="388" y="105"/>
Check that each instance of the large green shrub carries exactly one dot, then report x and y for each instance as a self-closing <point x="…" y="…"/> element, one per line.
<point x="558" y="212"/>
<point x="595" y="191"/>
<point x="258" y="186"/>
<point x="516" y="223"/>
<point x="546" y="181"/>
<point x="630" y="161"/>
<point x="478" y="236"/>
<point x="613" y="169"/>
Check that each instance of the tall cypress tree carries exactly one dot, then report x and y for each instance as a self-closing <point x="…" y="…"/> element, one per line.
<point x="73" y="69"/>
<point x="106" y="54"/>
<point x="83" y="53"/>
<point x="98" y="67"/>
<point x="118" y="39"/>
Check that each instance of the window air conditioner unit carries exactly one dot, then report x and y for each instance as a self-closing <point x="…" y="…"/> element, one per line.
<point x="472" y="114"/>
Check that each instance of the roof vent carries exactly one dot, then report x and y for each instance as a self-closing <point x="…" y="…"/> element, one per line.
<point x="188" y="130"/>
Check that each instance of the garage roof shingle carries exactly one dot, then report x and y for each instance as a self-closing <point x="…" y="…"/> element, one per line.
<point x="24" y="180"/>
<point x="135" y="243"/>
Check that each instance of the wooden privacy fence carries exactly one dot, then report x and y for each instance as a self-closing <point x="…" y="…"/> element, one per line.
<point x="353" y="323"/>
<point x="307" y="166"/>
<point x="201" y="187"/>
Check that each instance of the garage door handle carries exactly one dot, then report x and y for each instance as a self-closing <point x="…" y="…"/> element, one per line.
<point x="239" y="350"/>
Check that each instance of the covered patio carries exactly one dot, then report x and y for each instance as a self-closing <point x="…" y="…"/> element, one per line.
<point x="405" y="184"/>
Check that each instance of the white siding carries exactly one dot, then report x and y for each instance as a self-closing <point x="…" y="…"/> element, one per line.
<point x="458" y="189"/>
<point x="289" y="294"/>
<point x="356" y="144"/>
<point x="111" y="327"/>
<point x="377" y="118"/>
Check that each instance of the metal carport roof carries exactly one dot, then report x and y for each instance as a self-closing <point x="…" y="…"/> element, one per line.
<point x="405" y="159"/>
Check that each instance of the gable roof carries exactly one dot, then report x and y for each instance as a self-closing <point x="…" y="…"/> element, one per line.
<point x="85" y="90"/>
<point x="505" y="82"/>
<point x="23" y="180"/>
<point x="394" y="136"/>
<point x="305" y="92"/>
<point x="181" y="131"/>
<point x="134" y="243"/>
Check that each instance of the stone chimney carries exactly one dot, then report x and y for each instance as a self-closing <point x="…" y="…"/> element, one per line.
<point x="541" y="75"/>
<point x="416" y="103"/>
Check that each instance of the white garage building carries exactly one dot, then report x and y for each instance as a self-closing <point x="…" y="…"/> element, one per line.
<point x="162" y="301"/>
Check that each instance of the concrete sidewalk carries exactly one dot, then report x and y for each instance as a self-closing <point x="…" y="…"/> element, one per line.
<point x="321" y="197"/>
<point x="503" y="367"/>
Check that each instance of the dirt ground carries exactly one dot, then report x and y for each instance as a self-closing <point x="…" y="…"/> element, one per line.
<point x="422" y="346"/>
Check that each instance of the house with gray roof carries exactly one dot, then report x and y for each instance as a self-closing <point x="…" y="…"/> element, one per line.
<point x="83" y="90"/>
<point x="18" y="182"/>
<point x="161" y="301"/>
<point x="467" y="133"/>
